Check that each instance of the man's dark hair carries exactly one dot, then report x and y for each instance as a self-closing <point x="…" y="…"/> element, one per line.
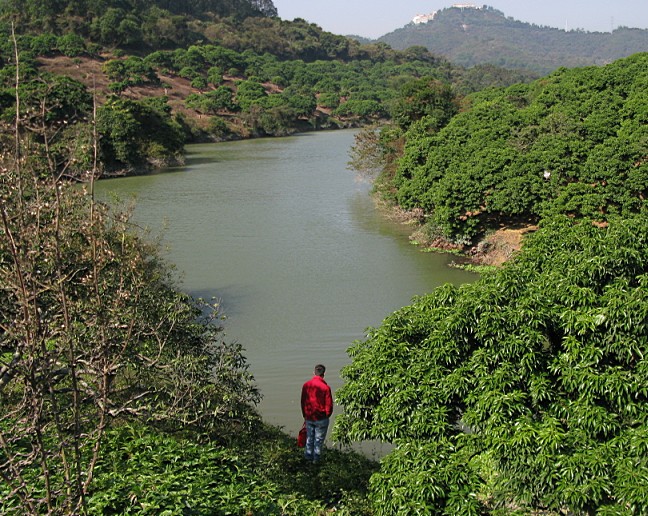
<point x="320" y="370"/>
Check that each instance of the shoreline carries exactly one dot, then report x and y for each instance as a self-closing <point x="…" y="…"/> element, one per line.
<point x="492" y="251"/>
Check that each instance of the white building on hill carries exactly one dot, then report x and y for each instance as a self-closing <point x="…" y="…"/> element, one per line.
<point x="424" y="18"/>
<point x="466" y="6"/>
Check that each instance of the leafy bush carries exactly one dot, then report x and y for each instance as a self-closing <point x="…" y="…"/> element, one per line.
<point x="71" y="45"/>
<point x="360" y="108"/>
<point x="44" y="44"/>
<point x="249" y="93"/>
<point x="132" y="71"/>
<point x="211" y="102"/>
<point x="538" y="369"/>
<point x="125" y="140"/>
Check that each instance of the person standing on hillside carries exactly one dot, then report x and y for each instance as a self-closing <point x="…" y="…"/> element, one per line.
<point x="317" y="407"/>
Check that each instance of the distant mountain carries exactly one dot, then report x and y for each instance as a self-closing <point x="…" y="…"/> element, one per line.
<point x="476" y="35"/>
<point x="360" y="39"/>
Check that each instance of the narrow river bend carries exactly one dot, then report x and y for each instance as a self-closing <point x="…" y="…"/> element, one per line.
<point x="286" y="237"/>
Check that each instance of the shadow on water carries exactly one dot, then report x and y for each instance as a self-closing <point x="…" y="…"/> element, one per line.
<point x="231" y="299"/>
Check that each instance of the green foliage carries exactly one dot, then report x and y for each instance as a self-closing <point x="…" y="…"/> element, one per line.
<point x="126" y="22"/>
<point x="539" y="367"/>
<point x="215" y="75"/>
<point x="429" y="477"/>
<point x="147" y="472"/>
<point x="302" y="102"/>
<point x="117" y="27"/>
<point x="44" y="44"/>
<point x="62" y="99"/>
<point x="131" y="71"/>
<point x="199" y="83"/>
<point x="425" y="97"/>
<point x="127" y="142"/>
<point x="212" y="102"/>
<point x="572" y="143"/>
<point x="360" y="108"/>
<point x="71" y="45"/>
<point x="329" y="100"/>
<point x="248" y="93"/>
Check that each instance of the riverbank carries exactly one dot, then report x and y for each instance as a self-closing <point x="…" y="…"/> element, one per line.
<point x="495" y="249"/>
<point x="200" y="123"/>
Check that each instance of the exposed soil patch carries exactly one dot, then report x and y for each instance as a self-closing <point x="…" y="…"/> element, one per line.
<point x="495" y="249"/>
<point x="499" y="246"/>
<point x="89" y="71"/>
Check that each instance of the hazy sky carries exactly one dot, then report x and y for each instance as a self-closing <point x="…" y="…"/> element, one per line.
<point x="374" y="18"/>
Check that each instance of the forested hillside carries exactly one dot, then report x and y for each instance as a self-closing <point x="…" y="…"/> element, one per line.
<point x="574" y="142"/>
<point x="197" y="75"/>
<point x="124" y="18"/>
<point x="472" y="36"/>
<point x="526" y="391"/>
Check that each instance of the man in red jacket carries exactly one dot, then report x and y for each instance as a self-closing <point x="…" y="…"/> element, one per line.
<point x="317" y="407"/>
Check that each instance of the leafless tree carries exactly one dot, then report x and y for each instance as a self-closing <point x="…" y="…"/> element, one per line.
<point x="92" y="331"/>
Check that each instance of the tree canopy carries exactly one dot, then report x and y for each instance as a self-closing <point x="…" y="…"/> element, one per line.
<point x="524" y="392"/>
<point x="525" y="389"/>
<point x="573" y="142"/>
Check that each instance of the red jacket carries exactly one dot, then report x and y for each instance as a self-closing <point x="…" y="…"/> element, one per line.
<point x="316" y="399"/>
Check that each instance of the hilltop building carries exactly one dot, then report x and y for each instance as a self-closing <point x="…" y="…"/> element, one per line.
<point x="466" y="6"/>
<point x="424" y="18"/>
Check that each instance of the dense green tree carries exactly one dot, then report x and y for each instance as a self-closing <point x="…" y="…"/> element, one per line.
<point x="303" y="103"/>
<point x="215" y="75"/>
<point x="126" y="142"/>
<point x="211" y="102"/>
<point x="361" y="108"/>
<point x="71" y="45"/>
<point x="572" y="143"/>
<point x="249" y="92"/>
<point x="525" y="389"/>
<point x="425" y="97"/>
<point x="44" y="44"/>
<point x="132" y="71"/>
<point x="107" y="27"/>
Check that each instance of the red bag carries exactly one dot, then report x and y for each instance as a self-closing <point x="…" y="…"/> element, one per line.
<point x="301" y="436"/>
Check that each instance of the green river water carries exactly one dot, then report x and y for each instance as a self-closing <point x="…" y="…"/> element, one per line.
<point x="288" y="239"/>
